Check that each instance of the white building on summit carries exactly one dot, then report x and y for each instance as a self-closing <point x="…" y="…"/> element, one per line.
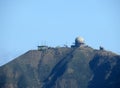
<point x="78" y="42"/>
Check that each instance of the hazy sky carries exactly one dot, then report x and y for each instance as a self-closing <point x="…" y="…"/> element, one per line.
<point x="24" y="24"/>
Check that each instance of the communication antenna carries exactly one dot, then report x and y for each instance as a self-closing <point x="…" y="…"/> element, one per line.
<point x="44" y="43"/>
<point x="65" y="45"/>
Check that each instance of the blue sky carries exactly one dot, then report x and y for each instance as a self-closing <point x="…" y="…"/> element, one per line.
<point x="24" y="24"/>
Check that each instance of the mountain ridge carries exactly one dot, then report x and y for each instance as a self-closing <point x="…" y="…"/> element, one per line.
<point x="62" y="67"/>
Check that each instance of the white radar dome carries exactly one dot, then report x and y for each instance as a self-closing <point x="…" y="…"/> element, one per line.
<point x="79" y="40"/>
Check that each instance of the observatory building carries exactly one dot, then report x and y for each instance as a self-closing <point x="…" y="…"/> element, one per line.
<point x="79" y="41"/>
<point x="42" y="47"/>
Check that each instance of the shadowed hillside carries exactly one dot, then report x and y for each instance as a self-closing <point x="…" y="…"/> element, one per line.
<point x="63" y="67"/>
<point x="106" y="70"/>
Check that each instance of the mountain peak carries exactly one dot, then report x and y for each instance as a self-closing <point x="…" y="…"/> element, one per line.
<point x="78" y="66"/>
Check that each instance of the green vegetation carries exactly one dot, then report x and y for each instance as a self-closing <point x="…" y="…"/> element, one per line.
<point x="62" y="67"/>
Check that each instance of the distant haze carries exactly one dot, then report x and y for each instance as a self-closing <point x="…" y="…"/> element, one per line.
<point x="25" y="24"/>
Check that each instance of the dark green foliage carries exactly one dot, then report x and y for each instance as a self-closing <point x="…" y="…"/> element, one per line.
<point x="22" y="82"/>
<point x="2" y="80"/>
<point x="106" y="70"/>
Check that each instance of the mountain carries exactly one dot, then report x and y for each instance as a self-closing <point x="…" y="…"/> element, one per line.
<point x="62" y="67"/>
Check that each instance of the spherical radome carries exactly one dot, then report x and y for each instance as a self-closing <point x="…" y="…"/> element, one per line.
<point x="79" y="40"/>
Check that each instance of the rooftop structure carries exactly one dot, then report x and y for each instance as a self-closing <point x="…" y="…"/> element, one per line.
<point x="42" y="47"/>
<point x="78" y="42"/>
<point x="101" y="48"/>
